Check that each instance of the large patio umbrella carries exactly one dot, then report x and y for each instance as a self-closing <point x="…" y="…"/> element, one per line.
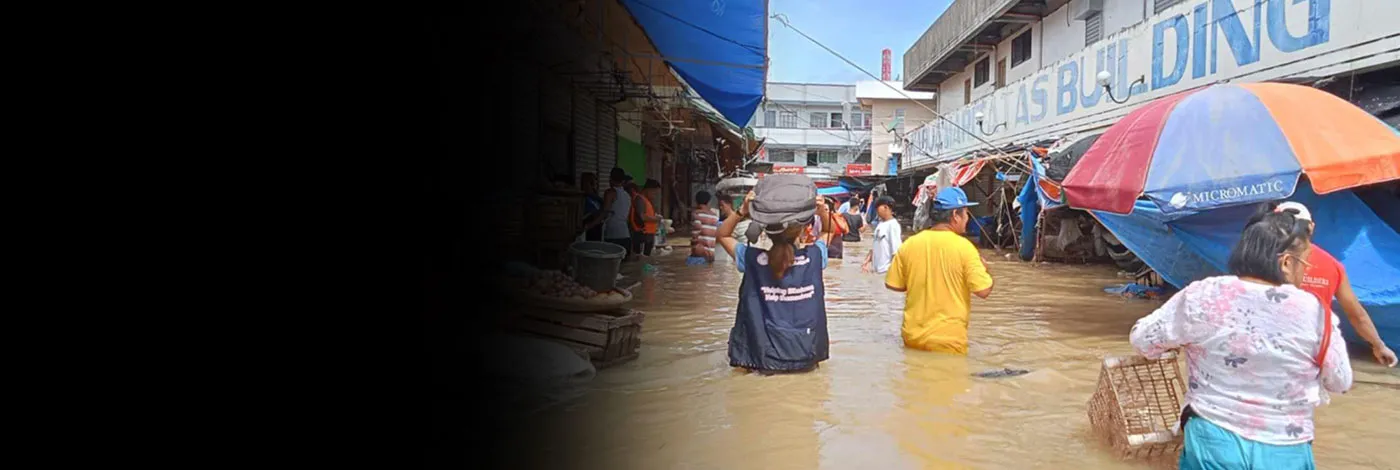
<point x="1233" y="144"/>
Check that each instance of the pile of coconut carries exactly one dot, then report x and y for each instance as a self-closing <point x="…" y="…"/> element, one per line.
<point x="558" y="285"/>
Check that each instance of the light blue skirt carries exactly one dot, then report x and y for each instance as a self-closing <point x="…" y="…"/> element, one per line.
<point x="1212" y="447"/>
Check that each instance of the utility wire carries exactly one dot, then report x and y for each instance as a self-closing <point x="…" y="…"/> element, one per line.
<point x="790" y="87"/>
<point x="784" y="20"/>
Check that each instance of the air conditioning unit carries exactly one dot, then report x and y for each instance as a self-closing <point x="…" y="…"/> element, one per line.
<point x="1081" y="9"/>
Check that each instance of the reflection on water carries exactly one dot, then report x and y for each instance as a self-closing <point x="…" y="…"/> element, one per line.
<point x="875" y="404"/>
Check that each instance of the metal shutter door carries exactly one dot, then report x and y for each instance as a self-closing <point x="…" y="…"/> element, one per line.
<point x="556" y="105"/>
<point x="607" y="141"/>
<point x="586" y="137"/>
<point x="556" y="117"/>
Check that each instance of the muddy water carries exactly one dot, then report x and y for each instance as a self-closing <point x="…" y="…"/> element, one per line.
<point x="875" y="404"/>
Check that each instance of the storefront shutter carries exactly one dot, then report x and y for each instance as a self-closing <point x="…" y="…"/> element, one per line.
<point x="585" y="136"/>
<point x="607" y="142"/>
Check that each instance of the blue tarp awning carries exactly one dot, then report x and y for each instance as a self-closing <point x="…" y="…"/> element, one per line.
<point x="1187" y="246"/>
<point x="719" y="48"/>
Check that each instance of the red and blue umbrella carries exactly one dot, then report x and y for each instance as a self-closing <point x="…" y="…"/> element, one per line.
<point x="1233" y="144"/>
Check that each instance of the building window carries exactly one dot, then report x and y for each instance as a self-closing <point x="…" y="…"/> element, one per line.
<point x="899" y="119"/>
<point x="817" y="157"/>
<point x="787" y="120"/>
<point x="1021" y="48"/>
<point x="818" y="121"/>
<point x="1161" y="5"/>
<point x="836" y="121"/>
<point x="981" y="73"/>
<point x="1001" y="73"/>
<point x="782" y="156"/>
<point x="770" y="118"/>
<point x="864" y="157"/>
<point x="1093" y="28"/>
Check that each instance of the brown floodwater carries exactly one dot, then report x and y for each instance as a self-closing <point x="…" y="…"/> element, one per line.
<point x="875" y="404"/>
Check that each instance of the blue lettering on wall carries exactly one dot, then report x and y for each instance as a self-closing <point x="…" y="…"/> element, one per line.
<point x="1178" y="24"/>
<point x="1198" y="52"/>
<point x="1319" y="21"/>
<point x="1122" y="74"/>
<point x="1218" y="20"/>
<point x="1038" y="96"/>
<point x="1092" y="99"/>
<point x="1023" y="107"/>
<point x="1067" y="92"/>
<point x="1226" y="18"/>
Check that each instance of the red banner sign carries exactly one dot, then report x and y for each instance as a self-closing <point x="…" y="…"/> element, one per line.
<point x="858" y="169"/>
<point x="789" y="169"/>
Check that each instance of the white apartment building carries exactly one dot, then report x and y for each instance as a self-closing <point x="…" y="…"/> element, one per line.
<point x="1017" y="71"/>
<point x="813" y="125"/>
<point x="894" y="112"/>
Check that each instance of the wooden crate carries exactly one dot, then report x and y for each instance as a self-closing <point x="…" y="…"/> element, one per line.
<point x="608" y="338"/>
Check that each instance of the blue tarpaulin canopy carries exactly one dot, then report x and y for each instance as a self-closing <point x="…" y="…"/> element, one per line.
<point x="1188" y="246"/>
<point x="719" y="48"/>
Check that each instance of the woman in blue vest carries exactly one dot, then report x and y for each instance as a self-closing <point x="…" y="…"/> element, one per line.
<point x="780" y="325"/>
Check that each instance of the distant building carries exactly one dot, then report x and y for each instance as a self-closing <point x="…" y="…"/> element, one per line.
<point x="893" y="116"/>
<point x="813" y="125"/>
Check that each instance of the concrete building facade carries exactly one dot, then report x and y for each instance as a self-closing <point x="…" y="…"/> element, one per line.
<point x="813" y="125"/>
<point x="1016" y="71"/>
<point x="893" y="116"/>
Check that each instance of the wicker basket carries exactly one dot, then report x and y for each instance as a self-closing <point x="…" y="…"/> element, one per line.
<point x="1137" y="407"/>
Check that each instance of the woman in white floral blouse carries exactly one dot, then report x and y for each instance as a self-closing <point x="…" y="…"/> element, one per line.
<point x="1259" y="353"/>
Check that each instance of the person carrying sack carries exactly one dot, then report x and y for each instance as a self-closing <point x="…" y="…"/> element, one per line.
<point x="780" y="323"/>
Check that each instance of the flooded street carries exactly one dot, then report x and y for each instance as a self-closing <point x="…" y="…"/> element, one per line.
<point x="875" y="404"/>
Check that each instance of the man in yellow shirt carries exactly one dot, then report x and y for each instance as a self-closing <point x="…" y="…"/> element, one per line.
<point x="939" y="271"/>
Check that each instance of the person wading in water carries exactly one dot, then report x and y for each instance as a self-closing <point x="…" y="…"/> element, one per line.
<point x="839" y="228"/>
<point x="780" y="325"/>
<point x="888" y="236"/>
<point x="939" y="271"/>
<point x="644" y="218"/>
<point x="1259" y="353"/>
<point x="617" y="203"/>
<point x="854" y="220"/>
<point x="1326" y="278"/>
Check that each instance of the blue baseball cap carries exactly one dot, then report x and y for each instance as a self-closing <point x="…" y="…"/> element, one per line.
<point x="951" y="198"/>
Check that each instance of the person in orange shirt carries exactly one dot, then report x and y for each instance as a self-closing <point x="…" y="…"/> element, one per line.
<point x="939" y="270"/>
<point x="839" y="228"/>
<point x="645" y="220"/>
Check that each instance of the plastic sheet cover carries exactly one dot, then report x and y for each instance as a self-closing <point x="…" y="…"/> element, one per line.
<point x="1191" y="246"/>
<point x="719" y="48"/>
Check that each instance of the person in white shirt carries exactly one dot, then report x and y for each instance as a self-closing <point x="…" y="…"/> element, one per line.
<point x="888" y="236"/>
<point x="1259" y="353"/>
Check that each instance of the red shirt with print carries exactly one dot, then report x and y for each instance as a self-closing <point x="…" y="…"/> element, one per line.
<point x="1323" y="278"/>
